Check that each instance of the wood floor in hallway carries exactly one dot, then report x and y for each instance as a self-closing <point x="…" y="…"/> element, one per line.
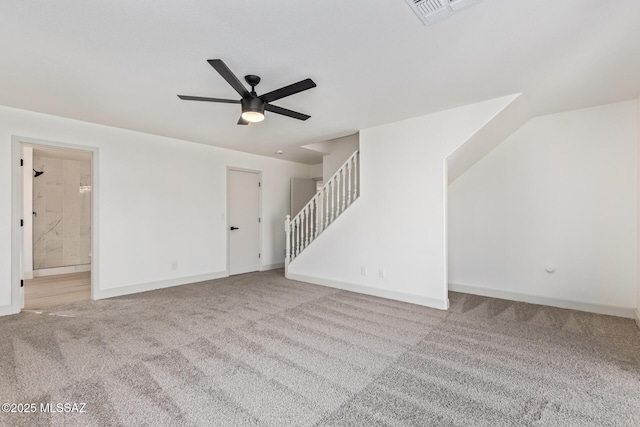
<point x="48" y="291"/>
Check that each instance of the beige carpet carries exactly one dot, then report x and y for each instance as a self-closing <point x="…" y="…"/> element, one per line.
<point x="258" y="349"/>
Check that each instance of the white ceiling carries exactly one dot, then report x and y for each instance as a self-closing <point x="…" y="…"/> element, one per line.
<point x="122" y="63"/>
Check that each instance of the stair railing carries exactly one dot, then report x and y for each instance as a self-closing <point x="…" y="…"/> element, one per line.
<point x="335" y="196"/>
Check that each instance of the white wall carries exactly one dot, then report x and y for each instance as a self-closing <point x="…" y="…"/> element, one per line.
<point x="561" y="191"/>
<point x="160" y="200"/>
<point x="316" y="171"/>
<point x="302" y="190"/>
<point x="638" y="216"/>
<point x="399" y="222"/>
<point x="340" y="150"/>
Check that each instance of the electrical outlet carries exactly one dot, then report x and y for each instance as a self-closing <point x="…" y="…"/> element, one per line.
<point x="381" y="273"/>
<point x="363" y="270"/>
<point x="174" y="265"/>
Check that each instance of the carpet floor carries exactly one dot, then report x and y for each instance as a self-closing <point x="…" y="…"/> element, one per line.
<point x="258" y="349"/>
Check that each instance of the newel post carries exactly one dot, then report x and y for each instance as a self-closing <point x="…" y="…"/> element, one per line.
<point x="287" y="232"/>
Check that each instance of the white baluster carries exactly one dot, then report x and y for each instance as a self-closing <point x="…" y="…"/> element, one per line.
<point x="314" y="219"/>
<point x="301" y="230"/>
<point x="306" y="227"/>
<point x="349" y="167"/>
<point x="356" y="172"/>
<point x="333" y="200"/>
<point x="325" y="201"/>
<point x="338" y="194"/>
<point x="344" y="197"/>
<point x="321" y="211"/>
<point x="318" y="214"/>
<point x="298" y="236"/>
<point x="293" y="238"/>
<point x="287" y="240"/>
<point x="310" y="223"/>
<point x="337" y="207"/>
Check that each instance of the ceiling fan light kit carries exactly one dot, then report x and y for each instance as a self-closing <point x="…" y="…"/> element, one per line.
<point x="254" y="106"/>
<point x="253" y="116"/>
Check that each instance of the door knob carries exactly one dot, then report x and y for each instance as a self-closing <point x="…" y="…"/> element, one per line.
<point x="234" y="228"/>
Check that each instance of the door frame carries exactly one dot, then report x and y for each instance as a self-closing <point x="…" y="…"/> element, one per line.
<point x="17" y="142"/>
<point x="259" y="173"/>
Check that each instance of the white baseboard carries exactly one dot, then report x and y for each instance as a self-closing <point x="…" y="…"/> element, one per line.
<point x="377" y="292"/>
<point x="60" y="270"/>
<point x="638" y="317"/>
<point x="6" y="310"/>
<point x="272" y="266"/>
<point x="610" y="310"/>
<point x="144" y="287"/>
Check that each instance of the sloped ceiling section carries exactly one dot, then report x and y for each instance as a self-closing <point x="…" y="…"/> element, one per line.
<point x="122" y="63"/>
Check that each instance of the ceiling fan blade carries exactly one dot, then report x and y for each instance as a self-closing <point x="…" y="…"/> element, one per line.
<point x="231" y="78"/>
<point x="285" y="112"/>
<point x="242" y="121"/>
<point x="288" y="90"/>
<point x="200" y="98"/>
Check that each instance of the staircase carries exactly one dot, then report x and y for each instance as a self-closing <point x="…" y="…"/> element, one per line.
<point x="329" y="203"/>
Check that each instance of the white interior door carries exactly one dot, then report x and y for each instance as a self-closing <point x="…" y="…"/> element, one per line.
<point x="243" y="189"/>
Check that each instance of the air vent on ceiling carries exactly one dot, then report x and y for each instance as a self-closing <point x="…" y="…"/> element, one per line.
<point x="430" y="11"/>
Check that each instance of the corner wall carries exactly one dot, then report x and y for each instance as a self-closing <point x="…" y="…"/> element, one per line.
<point x="560" y="193"/>
<point x="161" y="200"/>
<point x="397" y="228"/>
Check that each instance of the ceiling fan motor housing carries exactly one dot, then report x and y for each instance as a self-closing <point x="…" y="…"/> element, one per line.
<point x="252" y="109"/>
<point x="253" y="104"/>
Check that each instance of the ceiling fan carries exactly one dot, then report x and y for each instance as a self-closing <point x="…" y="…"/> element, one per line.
<point x="254" y="106"/>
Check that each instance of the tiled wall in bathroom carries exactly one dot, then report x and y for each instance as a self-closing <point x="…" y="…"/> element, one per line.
<point x="62" y="218"/>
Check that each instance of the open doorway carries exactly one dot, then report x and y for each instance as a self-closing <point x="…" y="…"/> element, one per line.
<point x="57" y="206"/>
